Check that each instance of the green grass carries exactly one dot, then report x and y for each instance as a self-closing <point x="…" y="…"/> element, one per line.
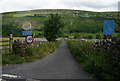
<point x="31" y="54"/>
<point x="72" y="23"/>
<point x="83" y="35"/>
<point x="93" y="60"/>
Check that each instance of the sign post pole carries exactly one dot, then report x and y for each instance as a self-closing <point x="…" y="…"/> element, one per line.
<point x="11" y="43"/>
<point x="28" y="32"/>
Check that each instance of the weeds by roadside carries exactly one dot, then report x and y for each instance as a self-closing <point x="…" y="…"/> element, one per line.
<point x="30" y="54"/>
<point x="94" y="60"/>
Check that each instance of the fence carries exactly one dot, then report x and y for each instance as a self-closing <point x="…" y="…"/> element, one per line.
<point x="4" y="48"/>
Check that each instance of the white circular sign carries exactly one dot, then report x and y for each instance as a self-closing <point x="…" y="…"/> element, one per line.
<point x="27" y="26"/>
<point x="29" y="39"/>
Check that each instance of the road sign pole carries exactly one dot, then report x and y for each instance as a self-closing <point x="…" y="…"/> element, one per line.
<point x="105" y="37"/>
<point x="11" y="43"/>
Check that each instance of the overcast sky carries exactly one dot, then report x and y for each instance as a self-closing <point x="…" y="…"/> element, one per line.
<point x="90" y="5"/>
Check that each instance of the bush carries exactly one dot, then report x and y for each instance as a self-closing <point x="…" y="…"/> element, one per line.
<point x="98" y="36"/>
<point x="24" y="54"/>
<point x="89" y="37"/>
<point x="80" y="50"/>
<point x="11" y="59"/>
<point x="53" y="26"/>
<point x="95" y="59"/>
<point x="14" y="27"/>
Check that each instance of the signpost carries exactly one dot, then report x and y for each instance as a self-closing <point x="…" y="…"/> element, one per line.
<point x="29" y="36"/>
<point x="29" y="39"/>
<point x="24" y="33"/>
<point x="108" y="27"/>
<point x="27" y="26"/>
<point x="11" y="42"/>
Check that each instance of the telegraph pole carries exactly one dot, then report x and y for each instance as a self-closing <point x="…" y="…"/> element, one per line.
<point x="119" y="17"/>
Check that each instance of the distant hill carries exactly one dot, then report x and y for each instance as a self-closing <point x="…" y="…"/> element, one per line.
<point x="75" y="20"/>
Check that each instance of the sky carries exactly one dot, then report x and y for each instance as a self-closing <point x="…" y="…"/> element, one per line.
<point x="89" y="5"/>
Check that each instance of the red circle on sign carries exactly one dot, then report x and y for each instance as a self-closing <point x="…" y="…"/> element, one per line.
<point x="29" y="39"/>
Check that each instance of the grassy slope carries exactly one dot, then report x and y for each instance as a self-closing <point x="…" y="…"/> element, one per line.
<point x="23" y="16"/>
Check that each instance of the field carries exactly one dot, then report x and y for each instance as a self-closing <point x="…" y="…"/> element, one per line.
<point x="82" y="30"/>
<point x="76" y="21"/>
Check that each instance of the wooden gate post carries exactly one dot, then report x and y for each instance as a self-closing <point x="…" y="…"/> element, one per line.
<point x="11" y="43"/>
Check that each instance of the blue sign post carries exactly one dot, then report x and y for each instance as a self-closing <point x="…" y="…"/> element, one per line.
<point x="108" y="27"/>
<point x="25" y="33"/>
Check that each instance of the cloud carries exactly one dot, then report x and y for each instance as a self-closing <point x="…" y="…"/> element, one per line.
<point x="18" y="5"/>
<point x="94" y="6"/>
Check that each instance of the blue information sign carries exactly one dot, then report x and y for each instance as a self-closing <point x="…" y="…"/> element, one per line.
<point x="24" y="33"/>
<point x="108" y="27"/>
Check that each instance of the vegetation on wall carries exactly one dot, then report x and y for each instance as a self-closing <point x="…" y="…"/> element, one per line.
<point x="100" y="59"/>
<point x="29" y="54"/>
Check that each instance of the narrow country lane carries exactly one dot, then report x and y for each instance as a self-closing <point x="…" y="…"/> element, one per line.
<point x="58" y="65"/>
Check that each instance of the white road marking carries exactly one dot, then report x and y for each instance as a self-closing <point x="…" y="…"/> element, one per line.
<point x="10" y="76"/>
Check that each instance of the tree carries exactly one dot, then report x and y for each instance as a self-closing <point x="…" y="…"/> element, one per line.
<point x="14" y="27"/>
<point x="52" y="27"/>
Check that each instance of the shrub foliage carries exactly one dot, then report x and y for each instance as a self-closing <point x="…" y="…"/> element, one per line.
<point x="53" y="26"/>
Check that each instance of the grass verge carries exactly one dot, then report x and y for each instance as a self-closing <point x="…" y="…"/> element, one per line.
<point x="30" y="54"/>
<point x="93" y="60"/>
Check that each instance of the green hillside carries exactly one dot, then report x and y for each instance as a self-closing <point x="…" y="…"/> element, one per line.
<point x="76" y="21"/>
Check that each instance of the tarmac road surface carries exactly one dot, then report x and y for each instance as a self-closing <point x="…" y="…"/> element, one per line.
<point x="58" y="65"/>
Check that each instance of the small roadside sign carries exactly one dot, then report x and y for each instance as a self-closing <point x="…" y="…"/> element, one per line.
<point x="108" y="27"/>
<point x="25" y="33"/>
<point x="29" y="39"/>
<point x="27" y="26"/>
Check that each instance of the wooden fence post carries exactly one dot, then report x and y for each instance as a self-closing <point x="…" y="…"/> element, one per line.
<point x="11" y="43"/>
